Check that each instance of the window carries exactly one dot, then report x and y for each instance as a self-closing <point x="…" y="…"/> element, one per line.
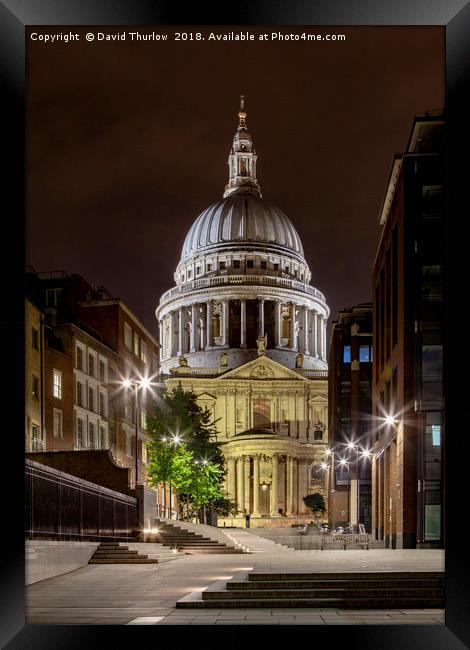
<point x="128" y="336"/>
<point x="182" y="277"/>
<point x="57" y="423"/>
<point x="264" y="265"/>
<point x="136" y="344"/>
<point x="276" y="266"/>
<point x="143" y="419"/>
<point x="347" y="354"/>
<point x="222" y="265"/>
<point x="128" y="444"/>
<point x="91" y="435"/>
<point x="36" y="442"/>
<point x="365" y="354"/>
<point x="144" y="453"/>
<point x="250" y="264"/>
<point x="286" y="269"/>
<point x="80" y="440"/>
<point x="143" y="351"/>
<point x="91" y="364"/>
<point x="103" y="438"/>
<point x="35" y="387"/>
<point x="198" y="270"/>
<point x="209" y="267"/>
<point x="79" y="358"/>
<point x="79" y="393"/>
<point x="189" y="273"/>
<point x="236" y="264"/>
<point x="91" y="398"/>
<point x="154" y="362"/>
<point x="57" y="383"/>
<point x="295" y="273"/>
<point x="318" y="434"/>
<point x="53" y="297"/>
<point x="35" y="338"/>
<point x="102" y="370"/>
<point x="102" y="405"/>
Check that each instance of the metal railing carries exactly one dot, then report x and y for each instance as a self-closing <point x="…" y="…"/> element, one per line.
<point x="358" y="540"/>
<point x="62" y="507"/>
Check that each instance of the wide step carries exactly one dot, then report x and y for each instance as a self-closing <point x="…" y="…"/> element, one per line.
<point x="112" y="553"/>
<point x="388" y="590"/>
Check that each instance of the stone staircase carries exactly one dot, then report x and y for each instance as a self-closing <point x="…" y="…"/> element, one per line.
<point x="255" y="543"/>
<point x="313" y="541"/>
<point x="116" y="553"/>
<point x="374" y="590"/>
<point x="189" y="542"/>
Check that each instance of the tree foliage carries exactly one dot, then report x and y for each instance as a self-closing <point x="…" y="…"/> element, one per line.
<point x="316" y="502"/>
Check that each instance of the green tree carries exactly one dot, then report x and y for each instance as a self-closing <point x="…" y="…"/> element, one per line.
<point x="169" y="464"/>
<point x="316" y="503"/>
<point x="225" y="507"/>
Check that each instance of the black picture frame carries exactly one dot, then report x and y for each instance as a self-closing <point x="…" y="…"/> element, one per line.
<point x="455" y="16"/>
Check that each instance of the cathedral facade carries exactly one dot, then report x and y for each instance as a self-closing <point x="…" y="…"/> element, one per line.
<point x="245" y="330"/>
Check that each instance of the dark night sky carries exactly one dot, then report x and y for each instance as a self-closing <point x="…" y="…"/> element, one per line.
<point x="128" y="143"/>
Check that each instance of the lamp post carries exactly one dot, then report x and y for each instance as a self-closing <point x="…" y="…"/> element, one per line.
<point x="136" y="384"/>
<point x="343" y="463"/>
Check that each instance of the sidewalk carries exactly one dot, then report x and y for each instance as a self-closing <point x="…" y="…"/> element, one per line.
<point x="146" y="594"/>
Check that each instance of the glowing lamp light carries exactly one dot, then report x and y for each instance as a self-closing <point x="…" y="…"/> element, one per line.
<point x="390" y="419"/>
<point x="343" y="462"/>
<point x="127" y="383"/>
<point x="145" y="382"/>
<point x="366" y="453"/>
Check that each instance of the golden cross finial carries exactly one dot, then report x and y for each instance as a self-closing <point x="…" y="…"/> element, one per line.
<point x="241" y="113"/>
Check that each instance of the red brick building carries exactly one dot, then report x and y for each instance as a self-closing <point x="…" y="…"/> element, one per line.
<point x="92" y="341"/>
<point x="408" y="507"/>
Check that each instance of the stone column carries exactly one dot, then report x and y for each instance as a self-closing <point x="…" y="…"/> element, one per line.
<point x="170" y="344"/>
<point x="243" y="323"/>
<point x="225" y="323"/>
<point x="292" y="325"/>
<point x="302" y="481"/>
<point x="274" y="487"/>
<point x="231" y="478"/>
<point x="320" y="336"/>
<point x="314" y="333"/>
<point x="192" y="343"/>
<point x="277" y="323"/>
<point x="247" y="485"/>
<point x="256" y="487"/>
<point x="160" y="334"/>
<point x="290" y="484"/>
<point x="324" y="337"/>
<point x="209" y="323"/>
<point x="180" y="331"/>
<point x="261" y="316"/>
<point x="306" y="341"/>
<point x="241" y="483"/>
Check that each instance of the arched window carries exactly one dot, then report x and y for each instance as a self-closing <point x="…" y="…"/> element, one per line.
<point x="216" y="325"/>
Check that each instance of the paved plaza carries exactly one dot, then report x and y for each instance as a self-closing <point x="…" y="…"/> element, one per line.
<point x="146" y="594"/>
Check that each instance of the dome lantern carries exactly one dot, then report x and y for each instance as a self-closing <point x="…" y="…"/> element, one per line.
<point x="242" y="159"/>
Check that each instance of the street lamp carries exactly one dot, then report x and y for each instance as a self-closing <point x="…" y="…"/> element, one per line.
<point x="136" y="384"/>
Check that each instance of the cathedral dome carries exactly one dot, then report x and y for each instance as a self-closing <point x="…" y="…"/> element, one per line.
<point x="242" y="218"/>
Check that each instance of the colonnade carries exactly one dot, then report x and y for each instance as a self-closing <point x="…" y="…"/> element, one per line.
<point x="205" y="326"/>
<point x="279" y="490"/>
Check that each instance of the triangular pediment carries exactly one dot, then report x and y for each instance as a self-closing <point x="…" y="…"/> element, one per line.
<point x="262" y="368"/>
<point x="318" y="399"/>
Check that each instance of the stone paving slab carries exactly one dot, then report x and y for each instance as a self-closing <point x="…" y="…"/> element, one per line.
<point x="118" y="594"/>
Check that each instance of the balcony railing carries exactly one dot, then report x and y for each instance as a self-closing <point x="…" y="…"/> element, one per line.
<point x="221" y="280"/>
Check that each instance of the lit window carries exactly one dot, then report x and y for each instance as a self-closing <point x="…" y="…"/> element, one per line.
<point x="79" y="358"/>
<point x="91" y="398"/>
<point x="79" y="393"/>
<point x="103" y="438"/>
<point x="364" y="354"/>
<point x="128" y="336"/>
<point x="136" y="344"/>
<point x="102" y="405"/>
<point x="91" y="435"/>
<point x="143" y="351"/>
<point x="347" y="354"/>
<point x="35" y="387"/>
<point x="57" y="383"/>
<point x="143" y="419"/>
<point x="91" y="365"/>
<point x="36" y="442"/>
<point x="57" y="423"/>
<point x="102" y="370"/>
<point x="80" y="440"/>
<point x="436" y="434"/>
<point x="35" y="338"/>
